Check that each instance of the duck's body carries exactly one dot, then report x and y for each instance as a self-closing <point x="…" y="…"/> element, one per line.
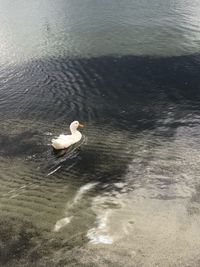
<point x="64" y="141"/>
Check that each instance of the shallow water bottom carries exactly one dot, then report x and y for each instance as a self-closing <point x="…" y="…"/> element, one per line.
<point x="139" y="207"/>
<point x="152" y="233"/>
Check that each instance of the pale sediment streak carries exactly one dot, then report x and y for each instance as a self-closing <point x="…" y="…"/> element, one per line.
<point x="83" y="190"/>
<point x="99" y="234"/>
<point x="79" y="195"/>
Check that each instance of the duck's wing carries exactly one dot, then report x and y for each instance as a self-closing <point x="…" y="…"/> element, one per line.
<point x="58" y="143"/>
<point x="61" y="143"/>
<point x="64" y="137"/>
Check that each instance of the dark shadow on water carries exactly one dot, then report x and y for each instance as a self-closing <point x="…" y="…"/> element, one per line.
<point x="24" y="144"/>
<point x="132" y="93"/>
<point x="129" y="92"/>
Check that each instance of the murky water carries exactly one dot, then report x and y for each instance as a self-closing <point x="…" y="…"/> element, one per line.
<point x="128" y="194"/>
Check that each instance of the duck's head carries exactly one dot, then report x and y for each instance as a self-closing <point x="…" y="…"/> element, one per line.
<point x="74" y="125"/>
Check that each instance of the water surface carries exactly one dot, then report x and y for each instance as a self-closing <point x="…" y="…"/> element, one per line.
<point x="128" y="194"/>
<point x="93" y="28"/>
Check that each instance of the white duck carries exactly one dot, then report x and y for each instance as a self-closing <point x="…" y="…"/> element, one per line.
<point x="64" y="141"/>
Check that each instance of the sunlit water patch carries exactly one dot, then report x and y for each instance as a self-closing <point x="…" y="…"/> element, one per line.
<point x="45" y="28"/>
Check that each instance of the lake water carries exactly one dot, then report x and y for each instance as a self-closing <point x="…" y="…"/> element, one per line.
<point x="129" y="193"/>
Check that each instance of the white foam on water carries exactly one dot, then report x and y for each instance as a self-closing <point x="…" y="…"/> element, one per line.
<point x="119" y="185"/>
<point x="99" y="239"/>
<point x="48" y="133"/>
<point x="61" y="223"/>
<point x="17" y="191"/>
<point x="56" y="169"/>
<point x="13" y="196"/>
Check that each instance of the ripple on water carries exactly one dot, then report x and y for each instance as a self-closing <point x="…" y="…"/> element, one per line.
<point x="140" y="162"/>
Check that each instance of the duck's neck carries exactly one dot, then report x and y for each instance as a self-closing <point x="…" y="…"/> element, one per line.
<point x="73" y="131"/>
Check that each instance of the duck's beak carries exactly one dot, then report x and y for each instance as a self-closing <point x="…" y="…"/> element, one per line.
<point x="80" y="125"/>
